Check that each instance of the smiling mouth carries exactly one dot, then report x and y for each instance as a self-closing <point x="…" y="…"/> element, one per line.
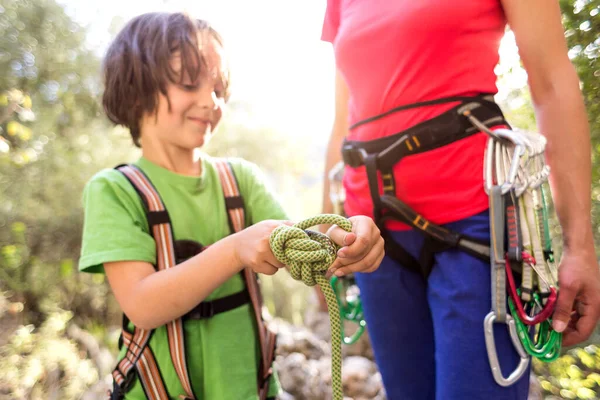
<point x="200" y="121"/>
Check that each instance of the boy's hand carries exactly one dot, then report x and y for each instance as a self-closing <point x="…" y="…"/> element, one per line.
<point x="252" y="247"/>
<point x="362" y="249"/>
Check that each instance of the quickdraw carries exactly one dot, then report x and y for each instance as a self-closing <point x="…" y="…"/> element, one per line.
<point x="514" y="173"/>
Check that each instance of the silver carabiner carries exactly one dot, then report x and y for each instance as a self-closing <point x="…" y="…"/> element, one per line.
<point x="488" y="166"/>
<point x="520" y="146"/>
<point x="490" y="344"/>
<point x="503" y="135"/>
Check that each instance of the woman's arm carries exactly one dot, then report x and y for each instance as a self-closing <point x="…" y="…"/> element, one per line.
<point x="562" y="118"/>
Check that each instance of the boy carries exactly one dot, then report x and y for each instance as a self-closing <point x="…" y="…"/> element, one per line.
<point x="194" y="331"/>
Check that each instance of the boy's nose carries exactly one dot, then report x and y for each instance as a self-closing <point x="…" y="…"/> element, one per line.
<point x="209" y="99"/>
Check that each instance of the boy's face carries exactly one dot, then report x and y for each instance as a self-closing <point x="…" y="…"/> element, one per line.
<point x="196" y="104"/>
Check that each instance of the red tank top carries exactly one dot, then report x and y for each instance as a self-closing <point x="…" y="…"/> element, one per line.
<point x="400" y="52"/>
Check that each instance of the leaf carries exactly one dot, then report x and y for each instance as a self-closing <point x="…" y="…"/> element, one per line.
<point x="66" y="268"/>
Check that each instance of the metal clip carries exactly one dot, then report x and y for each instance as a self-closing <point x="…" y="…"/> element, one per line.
<point x="520" y="145"/>
<point x="490" y="344"/>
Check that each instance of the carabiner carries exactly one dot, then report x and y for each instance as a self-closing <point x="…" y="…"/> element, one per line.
<point x="350" y="308"/>
<point x="548" y="308"/>
<point x="548" y="343"/>
<point x="491" y="161"/>
<point x="520" y="145"/>
<point x="490" y="344"/>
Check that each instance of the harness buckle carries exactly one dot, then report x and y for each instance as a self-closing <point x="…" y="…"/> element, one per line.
<point x="421" y="223"/>
<point x="353" y="156"/>
<point x="467" y="108"/>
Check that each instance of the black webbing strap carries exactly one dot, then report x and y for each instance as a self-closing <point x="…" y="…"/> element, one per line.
<point x="452" y="99"/>
<point x="234" y="202"/>
<point x="380" y="155"/>
<point x="439" y="131"/>
<point x="157" y="217"/>
<point x="208" y="309"/>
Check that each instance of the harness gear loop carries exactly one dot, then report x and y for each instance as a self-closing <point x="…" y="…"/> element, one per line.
<point x="309" y="255"/>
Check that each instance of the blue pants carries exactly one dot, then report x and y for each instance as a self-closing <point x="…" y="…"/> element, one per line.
<point x="428" y="337"/>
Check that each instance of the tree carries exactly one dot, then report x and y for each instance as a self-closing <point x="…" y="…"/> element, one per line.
<point x="53" y="140"/>
<point x="582" y="28"/>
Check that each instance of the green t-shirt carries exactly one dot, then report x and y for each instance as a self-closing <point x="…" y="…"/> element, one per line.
<point x="222" y="351"/>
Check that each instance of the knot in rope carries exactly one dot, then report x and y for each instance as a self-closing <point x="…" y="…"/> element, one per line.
<point x="309" y="255"/>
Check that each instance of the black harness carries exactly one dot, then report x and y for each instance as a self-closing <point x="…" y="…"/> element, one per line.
<point x="380" y="156"/>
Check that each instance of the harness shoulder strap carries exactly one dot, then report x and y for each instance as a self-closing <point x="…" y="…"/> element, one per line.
<point x="137" y="343"/>
<point x="236" y="218"/>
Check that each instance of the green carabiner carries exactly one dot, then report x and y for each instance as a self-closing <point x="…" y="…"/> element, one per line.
<point x="548" y="342"/>
<point x="350" y="307"/>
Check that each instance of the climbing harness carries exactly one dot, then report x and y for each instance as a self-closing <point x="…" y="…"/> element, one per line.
<point x="380" y="155"/>
<point x="515" y="176"/>
<point x="139" y="357"/>
<point x="309" y="255"/>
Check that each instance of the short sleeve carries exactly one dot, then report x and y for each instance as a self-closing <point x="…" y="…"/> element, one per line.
<point x="331" y="21"/>
<point x="259" y="198"/>
<point x="115" y="226"/>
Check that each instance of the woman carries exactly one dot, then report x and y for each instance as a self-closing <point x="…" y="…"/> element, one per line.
<point x="427" y="334"/>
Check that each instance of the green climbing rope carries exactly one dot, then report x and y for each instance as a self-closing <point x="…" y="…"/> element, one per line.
<point x="309" y="255"/>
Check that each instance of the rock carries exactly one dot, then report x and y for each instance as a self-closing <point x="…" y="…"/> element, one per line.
<point x="285" y="396"/>
<point x="304" y="365"/>
<point x="361" y="378"/>
<point x="318" y="323"/>
<point x="302" y="342"/>
<point x="535" y="389"/>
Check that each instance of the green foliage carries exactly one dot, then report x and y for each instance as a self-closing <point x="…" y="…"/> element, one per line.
<point x="581" y="19"/>
<point x="575" y="375"/>
<point x="46" y="64"/>
<point x="41" y="363"/>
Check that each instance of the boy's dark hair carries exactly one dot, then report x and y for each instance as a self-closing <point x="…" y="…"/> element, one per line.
<point x="137" y="65"/>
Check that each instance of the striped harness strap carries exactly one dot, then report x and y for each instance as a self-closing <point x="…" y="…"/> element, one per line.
<point x="138" y="353"/>
<point x="267" y="339"/>
<point x="139" y="356"/>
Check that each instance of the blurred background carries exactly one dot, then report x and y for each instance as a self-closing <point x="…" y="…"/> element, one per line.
<point x="59" y="328"/>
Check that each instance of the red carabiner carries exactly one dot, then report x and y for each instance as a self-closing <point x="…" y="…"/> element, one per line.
<point x="523" y="316"/>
